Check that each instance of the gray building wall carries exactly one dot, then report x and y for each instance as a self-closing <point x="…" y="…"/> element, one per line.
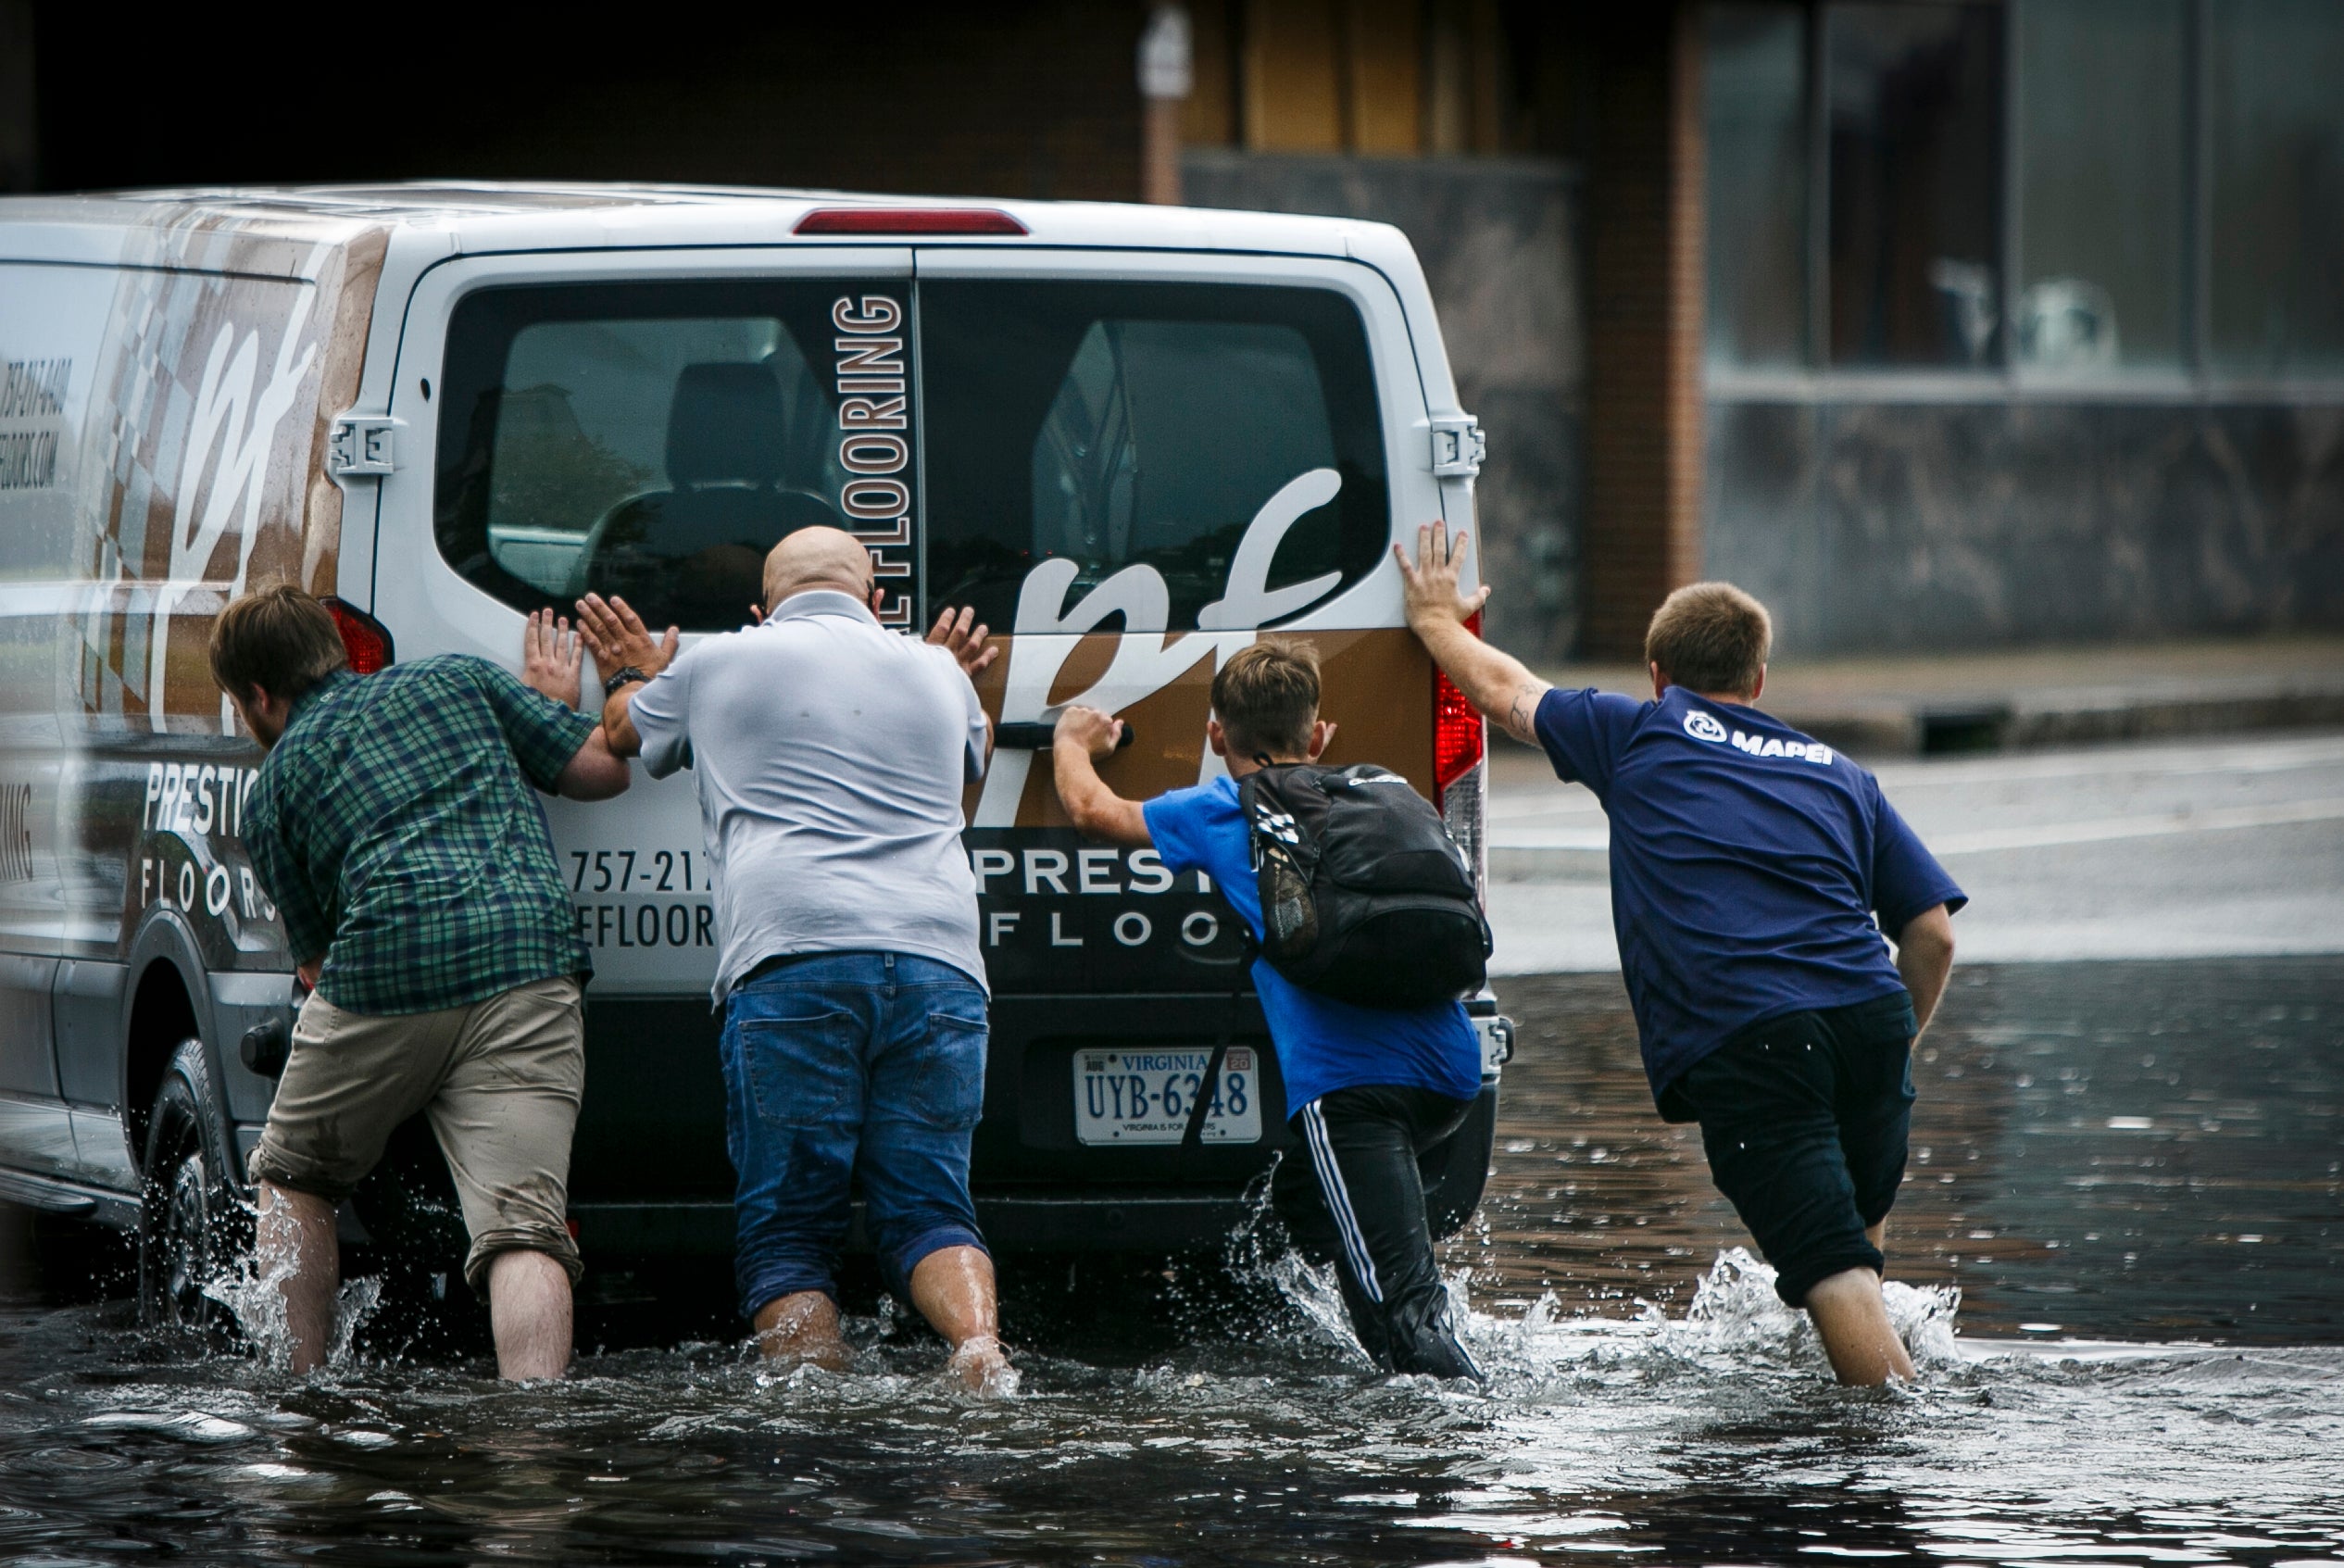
<point x="1869" y="525"/>
<point x="1499" y="242"/>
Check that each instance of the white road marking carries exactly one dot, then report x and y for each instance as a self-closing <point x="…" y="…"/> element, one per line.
<point x="2224" y="818"/>
<point x="2155" y="761"/>
<point x="2039" y="836"/>
<point x="2182" y="817"/>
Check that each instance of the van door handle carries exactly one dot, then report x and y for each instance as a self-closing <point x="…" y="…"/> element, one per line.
<point x="1028" y="736"/>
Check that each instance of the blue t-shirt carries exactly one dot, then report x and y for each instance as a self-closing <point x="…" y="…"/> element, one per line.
<point x="1749" y="864"/>
<point x="1323" y="1044"/>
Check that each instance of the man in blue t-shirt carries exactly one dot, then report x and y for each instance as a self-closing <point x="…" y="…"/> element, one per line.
<point x="1369" y="1090"/>
<point x="1753" y="873"/>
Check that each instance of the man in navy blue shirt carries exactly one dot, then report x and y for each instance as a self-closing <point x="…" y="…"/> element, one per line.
<point x="1753" y="874"/>
<point x="1369" y="1090"/>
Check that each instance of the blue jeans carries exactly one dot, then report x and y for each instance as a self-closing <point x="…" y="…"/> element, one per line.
<point x="841" y="1067"/>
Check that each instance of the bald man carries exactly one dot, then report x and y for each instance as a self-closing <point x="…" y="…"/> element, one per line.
<point x="830" y="755"/>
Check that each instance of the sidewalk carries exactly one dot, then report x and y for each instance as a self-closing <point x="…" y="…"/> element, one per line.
<point x="2201" y="841"/>
<point x="1923" y="705"/>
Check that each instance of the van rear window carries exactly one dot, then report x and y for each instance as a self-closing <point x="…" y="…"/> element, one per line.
<point x="655" y="440"/>
<point x="1117" y="425"/>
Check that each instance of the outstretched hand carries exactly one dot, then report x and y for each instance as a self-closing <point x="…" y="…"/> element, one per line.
<point x="954" y="634"/>
<point x="1428" y="586"/>
<point x="617" y="637"/>
<point x="551" y="655"/>
<point x="1088" y="730"/>
<point x="1493" y="681"/>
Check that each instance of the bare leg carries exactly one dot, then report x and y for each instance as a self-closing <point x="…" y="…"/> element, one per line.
<point x="953" y="1288"/>
<point x="803" y="1326"/>
<point x="1853" y="1324"/>
<point x="297" y="1249"/>
<point x="528" y="1312"/>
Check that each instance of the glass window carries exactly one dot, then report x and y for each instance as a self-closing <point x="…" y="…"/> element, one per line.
<point x="1122" y="426"/>
<point x="654" y="441"/>
<point x="2275" y="103"/>
<point x="2101" y="192"/>
<point x="1915" y="121"/>
<point x="1756" y="108"/>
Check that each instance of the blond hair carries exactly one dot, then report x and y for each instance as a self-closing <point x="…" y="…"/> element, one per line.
<point x="1710" y="637"/>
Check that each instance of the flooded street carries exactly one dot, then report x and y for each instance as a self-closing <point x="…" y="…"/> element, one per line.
<point x="2129" y="1172"/>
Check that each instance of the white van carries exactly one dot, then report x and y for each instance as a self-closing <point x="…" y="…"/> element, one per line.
<point x="1133" y="437"/>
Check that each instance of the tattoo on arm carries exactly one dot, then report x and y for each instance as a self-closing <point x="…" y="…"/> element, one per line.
<point x="1521" y="720"/>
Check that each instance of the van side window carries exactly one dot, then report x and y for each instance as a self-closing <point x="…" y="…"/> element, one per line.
<point x="655" y="440"/>
<point x="1146" y="424"/>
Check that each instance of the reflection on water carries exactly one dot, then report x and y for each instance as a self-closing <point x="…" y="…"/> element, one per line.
<point x="1203" y="1422"/>
<point x="2150" y="1150"/>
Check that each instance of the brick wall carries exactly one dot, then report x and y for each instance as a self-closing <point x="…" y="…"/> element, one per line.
<point x="1643" y="534"/>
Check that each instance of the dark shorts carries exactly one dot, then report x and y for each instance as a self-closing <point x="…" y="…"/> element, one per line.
<point x="1804" y="1118"/>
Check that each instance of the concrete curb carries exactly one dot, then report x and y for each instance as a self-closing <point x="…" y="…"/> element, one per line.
<point x="1937" y="725"/>
<point x="1532" y="863"/>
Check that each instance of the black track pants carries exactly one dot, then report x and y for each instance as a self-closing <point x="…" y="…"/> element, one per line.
<point x="1353" y="1194"/>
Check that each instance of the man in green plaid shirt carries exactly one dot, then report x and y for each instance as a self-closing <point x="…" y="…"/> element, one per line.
<point x="394" y="829"/>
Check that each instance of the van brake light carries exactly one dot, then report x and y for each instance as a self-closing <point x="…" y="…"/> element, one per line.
<point x="908" y="221"/>
<point x="1457" y="739"/>
<point x="365" y="639"/>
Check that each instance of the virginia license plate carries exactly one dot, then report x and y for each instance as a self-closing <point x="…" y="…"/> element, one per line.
<point x="1136" y="1097"/>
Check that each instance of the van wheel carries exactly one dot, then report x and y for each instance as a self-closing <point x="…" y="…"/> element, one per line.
<point x="194" y="1230"/>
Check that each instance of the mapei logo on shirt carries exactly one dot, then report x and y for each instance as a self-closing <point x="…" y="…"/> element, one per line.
<point x="1704" y="726"/>
<point x="1707" y="727"/>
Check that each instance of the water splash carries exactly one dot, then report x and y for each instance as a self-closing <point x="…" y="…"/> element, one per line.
<point x="1735" y="1313"/>
<point x="1734" y="1321"/>
<point x="1314" y="1293"/>
<point x="256" y="1299"/>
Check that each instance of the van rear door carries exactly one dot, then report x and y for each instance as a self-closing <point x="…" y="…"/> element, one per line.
<point x="645" y="423"/>
<point x="1136" y="465"/>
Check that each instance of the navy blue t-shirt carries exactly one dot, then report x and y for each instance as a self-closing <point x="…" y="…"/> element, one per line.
<point x="1323" y="1044"/>
<point x="1748" y="865"/>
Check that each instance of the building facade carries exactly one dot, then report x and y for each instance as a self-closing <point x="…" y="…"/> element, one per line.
<point x="1938" y="323"/>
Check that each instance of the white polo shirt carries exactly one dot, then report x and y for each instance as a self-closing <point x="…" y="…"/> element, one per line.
<point x="830" y="755"/>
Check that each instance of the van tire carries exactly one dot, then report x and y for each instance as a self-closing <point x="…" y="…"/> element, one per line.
<point x="194" y="1227"/>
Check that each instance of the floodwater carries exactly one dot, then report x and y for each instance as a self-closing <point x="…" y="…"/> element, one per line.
<point x="2118" y="1261"/>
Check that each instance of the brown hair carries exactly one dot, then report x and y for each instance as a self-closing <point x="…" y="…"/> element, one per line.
<point x="1266" y="696"/>
<point x="1710" y="637"/>
<point x="278" y="639"/>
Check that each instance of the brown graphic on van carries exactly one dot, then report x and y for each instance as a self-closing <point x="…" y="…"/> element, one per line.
<point x="207" y="410"/>
<point x="1378" y="694"/>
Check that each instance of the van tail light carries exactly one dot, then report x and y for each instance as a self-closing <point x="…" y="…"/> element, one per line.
<point x="365" y="639"/>
<point x="908" y="221"/>
<point x="1458" y="740"/>
<point x="1460" y="744"/>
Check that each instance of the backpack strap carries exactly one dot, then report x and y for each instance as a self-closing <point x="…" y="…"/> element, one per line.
<point x="1193" y="1135"/>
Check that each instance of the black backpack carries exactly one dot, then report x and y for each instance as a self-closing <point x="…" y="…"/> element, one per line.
<point x="1364" y="895"/>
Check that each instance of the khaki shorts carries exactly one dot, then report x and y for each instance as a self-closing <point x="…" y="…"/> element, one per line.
<point x="500" y="1081"/>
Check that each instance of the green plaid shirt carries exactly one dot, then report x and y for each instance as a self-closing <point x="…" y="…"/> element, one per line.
<point x="395" y="834"/>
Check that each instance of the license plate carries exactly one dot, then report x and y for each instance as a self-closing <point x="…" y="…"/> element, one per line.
<point x="1139" y="1096"/>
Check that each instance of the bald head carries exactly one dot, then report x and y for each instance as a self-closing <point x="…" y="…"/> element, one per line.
<point x="817" y="558"/>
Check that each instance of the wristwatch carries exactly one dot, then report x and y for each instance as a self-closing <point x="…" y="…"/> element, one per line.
<point x="623" y="677"/>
